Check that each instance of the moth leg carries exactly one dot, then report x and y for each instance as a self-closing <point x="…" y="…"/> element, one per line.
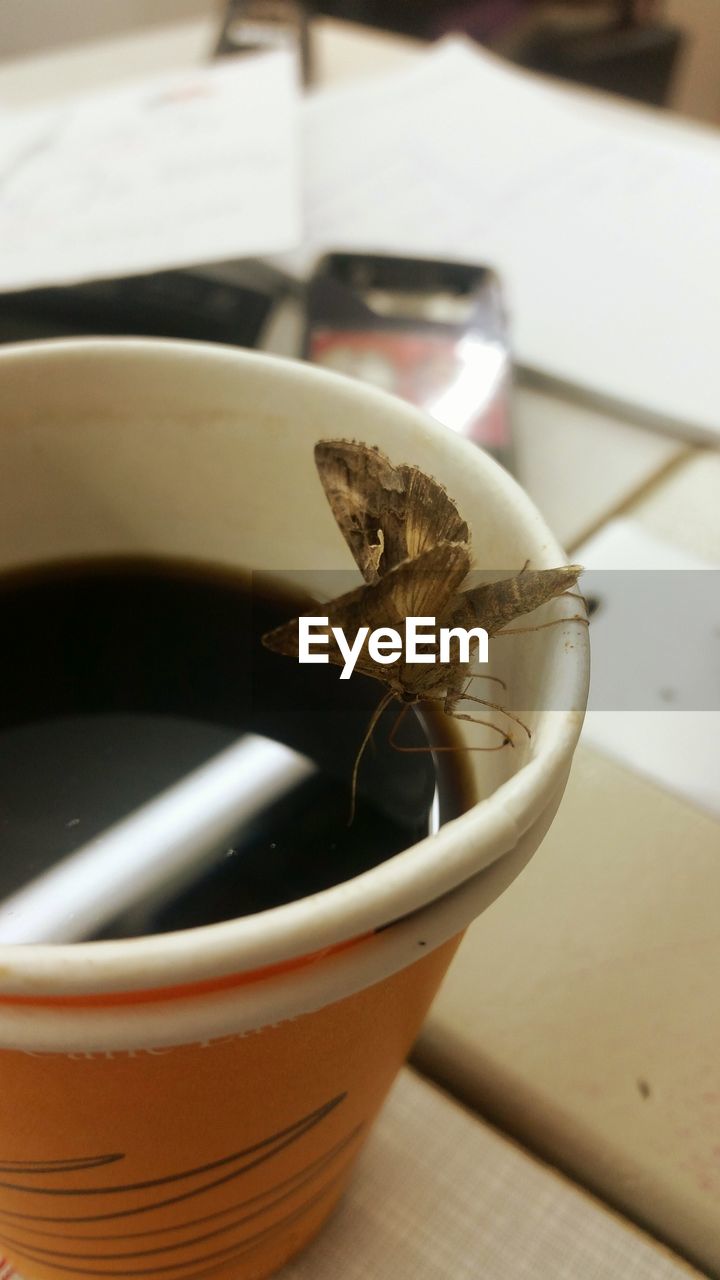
<point x="417" y="750"/>
<point x="392" y="739"/>
<point x="506" y="742"/>
<point x="507" y="739"/>
<point x="479" y="675"/>
<point x="483" y="702"/>
<point x="465" y="747"/>
<point x="575" y="595"/>
<point x="524" y="631"/>
<point x="399" y="719"/>
<point x="382" y="704"/>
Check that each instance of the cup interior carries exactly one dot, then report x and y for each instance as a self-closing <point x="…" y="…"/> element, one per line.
<point x="186" y="451"/>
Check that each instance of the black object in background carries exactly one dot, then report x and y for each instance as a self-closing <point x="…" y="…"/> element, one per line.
<point x="228" y="303"/>
<point x="636" y="60"/>
<point x="433" y="333"/>
<point x="251" y="26"/>
<point x="629" y="51"/>
<point x="406" y="17"/>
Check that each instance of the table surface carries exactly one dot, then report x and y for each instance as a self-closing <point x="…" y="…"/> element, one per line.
<point x="581" y="1011"/>
<point x="439" y="1194"/>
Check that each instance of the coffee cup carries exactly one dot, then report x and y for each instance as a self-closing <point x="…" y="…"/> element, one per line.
<point x="192" y="1103"/>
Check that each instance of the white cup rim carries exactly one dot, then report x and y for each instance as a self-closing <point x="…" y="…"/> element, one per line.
<point x="405" y="883"/>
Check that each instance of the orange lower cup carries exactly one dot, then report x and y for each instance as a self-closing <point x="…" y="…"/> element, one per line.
<point x="219" y="1158"/>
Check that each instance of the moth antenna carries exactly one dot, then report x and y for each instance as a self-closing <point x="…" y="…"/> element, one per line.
<point x="468" y="697"/>
<point x="382" y="704"/>
<point x="556" y="622"/>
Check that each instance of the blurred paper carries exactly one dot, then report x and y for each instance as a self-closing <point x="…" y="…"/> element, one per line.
<point x="601" y="219"/>
<point x="178" y="169"/>
<point x="677" y="749"/>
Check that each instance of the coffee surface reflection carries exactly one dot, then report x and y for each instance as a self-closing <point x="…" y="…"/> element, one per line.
<point x="122" y="676"/>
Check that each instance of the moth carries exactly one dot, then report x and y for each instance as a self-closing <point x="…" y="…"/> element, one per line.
<point x="412" y="548"/>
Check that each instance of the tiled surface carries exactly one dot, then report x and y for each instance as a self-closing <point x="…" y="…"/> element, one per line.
<point x="580" y="464"/>
<point x="582" y="1009"/>
<point x="440" y="1196"/>
<point x="685" y="508"/>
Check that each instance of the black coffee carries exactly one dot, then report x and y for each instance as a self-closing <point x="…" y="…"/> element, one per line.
<point x="120" y="676"/>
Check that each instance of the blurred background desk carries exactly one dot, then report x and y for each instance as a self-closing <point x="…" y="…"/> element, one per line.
<point x="581" y="1014"/>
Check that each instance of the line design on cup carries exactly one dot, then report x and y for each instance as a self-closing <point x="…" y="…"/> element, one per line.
<point x="48" y="1257"/>
<point x="295" y="1181"/>
<point x="77" y="1165"/>
<point x="220" y="1257"/>
<point x="268" y="1148"/>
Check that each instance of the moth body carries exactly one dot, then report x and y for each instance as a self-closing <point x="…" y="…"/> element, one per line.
<point x="412" y="548"/>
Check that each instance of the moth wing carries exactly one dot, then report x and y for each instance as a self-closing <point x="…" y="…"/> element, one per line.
<point x="283" y="639"/>
<point x="345" y="611"/>
<point x="421" y="587"/>
<point x="386" y="514"/>
<point x="494" y="604"/>
<point x="362" y="487"/>
<point x="349" y="612"/>
<point x="424" y="587"/>
<point x="431" y="516"/>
